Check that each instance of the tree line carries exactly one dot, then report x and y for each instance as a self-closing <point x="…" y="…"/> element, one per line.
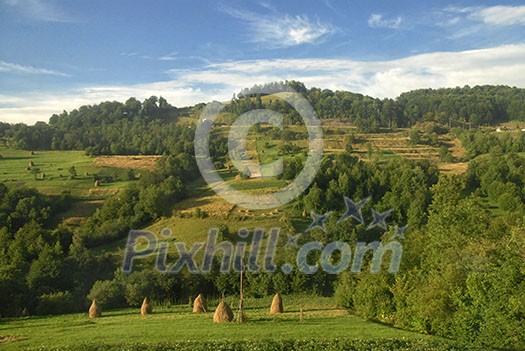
<point x="456" y="107"/>
<point x="148" y="127"/>
<point x="108" y="128"/>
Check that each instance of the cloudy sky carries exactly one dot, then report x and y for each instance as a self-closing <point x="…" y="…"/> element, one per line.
<point x="58" y="55"/>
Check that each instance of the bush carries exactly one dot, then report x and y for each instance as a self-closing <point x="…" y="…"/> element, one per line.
<point x="372" y="296"/>
<point x="415" y="136"/>
<point x="55" y="303"/>
<point x="108" y="293"/>
<point x="344" y="290"/>
<point x="198" y="213"/>
<point x="509" y="202"/>
<point x="137" y="286"/>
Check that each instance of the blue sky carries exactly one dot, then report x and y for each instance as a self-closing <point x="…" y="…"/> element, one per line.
<point x="58" y="55"/>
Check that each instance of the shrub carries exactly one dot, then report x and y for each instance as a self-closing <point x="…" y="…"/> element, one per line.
<point x="108" y="293"/>
<point x="55" y="303"/>
<point x="138" y="285"/>
<point x="344" y="291"/>
<point x="197" y="213"/>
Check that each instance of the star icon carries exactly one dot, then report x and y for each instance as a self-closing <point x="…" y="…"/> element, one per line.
<point x="292" y="240"/>
<point x="318" y="221"/>
<point x="400" y="231"/>
<point x="354" y="209"/>
<point x="379" y="219"/>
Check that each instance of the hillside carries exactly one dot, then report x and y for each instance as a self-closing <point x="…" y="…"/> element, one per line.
<point x="431" y="162"/>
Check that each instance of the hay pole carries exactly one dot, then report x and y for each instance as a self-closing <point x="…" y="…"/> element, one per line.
<point x="240" y="318"/>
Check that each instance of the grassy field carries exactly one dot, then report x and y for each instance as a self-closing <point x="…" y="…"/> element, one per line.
<point x="49" y="172"/>
<point x="322" y="319"/>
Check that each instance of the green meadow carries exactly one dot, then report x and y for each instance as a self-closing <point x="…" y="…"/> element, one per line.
<point x="172" y="324"/>
<point x="50" y="172"/>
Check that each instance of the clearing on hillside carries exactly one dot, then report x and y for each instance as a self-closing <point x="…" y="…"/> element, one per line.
<point x="127" y="162"/>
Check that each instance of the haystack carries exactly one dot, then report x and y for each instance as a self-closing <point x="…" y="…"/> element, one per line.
<point x="95" y="311"/>
<point x="200" y="305"/>
<point x="277" y="304"/>
<point x="223" y="313"/>
<point x="146" y="307"/>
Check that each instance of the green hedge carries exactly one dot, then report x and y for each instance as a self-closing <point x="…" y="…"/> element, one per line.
<point x="278" y="345"/>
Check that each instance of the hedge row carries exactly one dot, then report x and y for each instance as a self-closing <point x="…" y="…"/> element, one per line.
<point x="275" y="345"/>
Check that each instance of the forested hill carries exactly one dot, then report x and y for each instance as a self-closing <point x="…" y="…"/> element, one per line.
<point x="147" y="127"/>
<point x="480" y="105"/>
<point x="110" y="128"/>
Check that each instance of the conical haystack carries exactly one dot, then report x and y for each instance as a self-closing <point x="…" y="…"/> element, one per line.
<point x="200" y="305"/>
<point x="277" y="304"/>
<point x="95" y="311"/>
<point x="223" y="313"/>
<point x="146" y="307"/>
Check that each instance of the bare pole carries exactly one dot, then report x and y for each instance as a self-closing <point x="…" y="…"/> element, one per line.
<point x="241" y="296"/>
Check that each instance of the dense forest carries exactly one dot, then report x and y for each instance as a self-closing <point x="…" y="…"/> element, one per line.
<point x="463" y="269"/>
<point x="480" y="105"/>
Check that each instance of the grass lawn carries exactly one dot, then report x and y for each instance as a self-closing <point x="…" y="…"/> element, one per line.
<point x="322" y="319"/>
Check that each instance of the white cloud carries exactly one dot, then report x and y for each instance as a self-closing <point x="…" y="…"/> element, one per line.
<point x="41" y="10"/>
<point x="498" y="65"/>
<point x="276" y="31"/>
<point x="36" y="106"/>
<point x="471" y="20"/>
<point x="169" y="57"/>
<point x="501" y="15"/>
<point x="378" y="21"/>
<point x="20" y="69"/>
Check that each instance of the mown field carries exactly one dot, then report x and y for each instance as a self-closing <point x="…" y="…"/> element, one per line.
<point x="322" y="320"/>
<point x="50" y="172"/>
